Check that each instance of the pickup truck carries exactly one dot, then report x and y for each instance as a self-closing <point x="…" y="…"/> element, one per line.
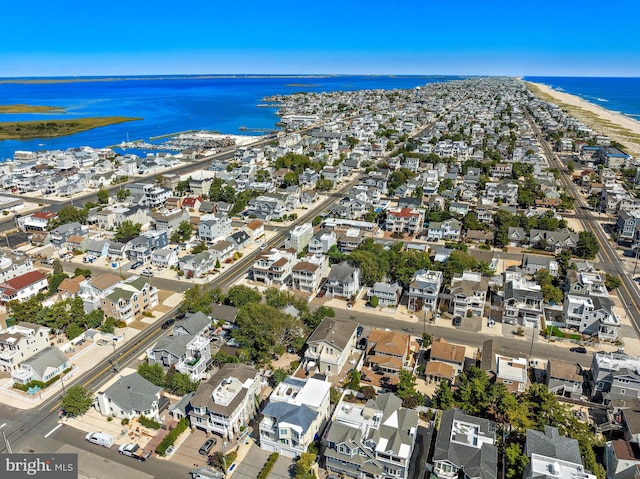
<point x="135" y="451"/>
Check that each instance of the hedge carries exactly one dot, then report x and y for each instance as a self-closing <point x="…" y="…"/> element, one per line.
<point x="268" y="466"/>
<point x="148" y="422"/>
<point x="170" y="438"/>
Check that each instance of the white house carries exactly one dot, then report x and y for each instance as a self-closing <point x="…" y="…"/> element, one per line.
<point x="129" y="397"/>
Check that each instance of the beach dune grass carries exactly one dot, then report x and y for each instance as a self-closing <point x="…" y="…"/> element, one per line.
<point x="28" y="130"/>
<point x="23" y="108"/>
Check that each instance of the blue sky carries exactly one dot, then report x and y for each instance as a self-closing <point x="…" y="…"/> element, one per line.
<point x="481" y="37"/>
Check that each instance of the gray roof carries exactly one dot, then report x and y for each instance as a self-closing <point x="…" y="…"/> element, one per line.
<point x="224" y="312"/>
<point x="133" y="393"/>
<point x="476" y="461"/>
<point x="550" y="444"/>
<point x="336" y="331"/>
<point x="518" y="294"/>
<point x="193" y="324"/>
<point x="342" y="272"/>
<point x="299" y="415"/>
<point x="48" y="357"/>
<point x="175" y="345"/>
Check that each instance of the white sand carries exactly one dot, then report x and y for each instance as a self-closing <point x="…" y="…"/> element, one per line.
<point x="603" y="114"/>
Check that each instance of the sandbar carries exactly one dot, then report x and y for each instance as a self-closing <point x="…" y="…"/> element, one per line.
<point x="24" y="108"/>
<point x="618" y="127"/>
<point x="28" y="130"/>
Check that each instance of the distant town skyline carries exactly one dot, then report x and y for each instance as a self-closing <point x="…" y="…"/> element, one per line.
<point x="500" y="37"/>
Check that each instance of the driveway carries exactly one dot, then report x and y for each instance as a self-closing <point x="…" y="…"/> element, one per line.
<point x="283" y="468"/>
<point x="252" y="464"/>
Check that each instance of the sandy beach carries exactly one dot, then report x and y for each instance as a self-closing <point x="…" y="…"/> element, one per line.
<point x="618" y="127"/>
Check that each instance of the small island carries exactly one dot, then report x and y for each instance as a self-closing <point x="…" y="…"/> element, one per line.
<point x="28" y="130"/>
<point x="23" y="108"/>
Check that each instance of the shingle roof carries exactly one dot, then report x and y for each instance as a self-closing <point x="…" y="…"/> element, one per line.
<point x="444" y="351"/>
<point x="551" y="444"/>
<point x="335" y="331"/>
<point x="48" y="357"/>
<point x="133" y="393"/>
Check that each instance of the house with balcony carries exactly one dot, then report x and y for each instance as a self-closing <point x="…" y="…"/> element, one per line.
<point x="343" y="280"/>
<point x="307" y="274"/>
<point x="129" y="397"/>
<point x="389" y="352"/>
<point x="10" y="269"/>
<point x="554" y="241"/>
<point x="60" y="235"/>
<point x="141" y="248"/>
<point x="149" y="195"/>
<point x="214" y="227"/>
<point x="322" y="241"/>
<point x="255" y="229"/>
<point x="196" y="265"/>
<point x="591" y="315"/>
<point x="532" y="263"/>
<point x="371" y="440"/>
<point x="448" y="230"/>
<point x="614" y="376"/>
<point x="164" y="258"/>
<point x="223" y="250"/>
<point x="523" y="301"/>
<point x="274" y="266"/>
<point x="169" y="220"/>
<point x="388" y="294"/>
<point x="585" y="283"/>
<point x="42" y="366"/>
<point x="299" y="237"/>
<point x="36" y="222"/>
<point x="21" y="342"/>
<point x="188" y="350"/>
<point x="627" y="224"/>
<point x="266" y="208"/>
<point x="468" y="294"/>
<point x="94" y="289"/>
<point x="505" y="192"/>
<point x="130" y="299"/>
<point x="552" y="455"/>
<point x="564" y="378"/>
<point x="295" y="415"/>
<point x="424" y="290"/>
<point x="465" y="447"/>
<point x="350" y="239"/>
<point x="512" y="372"/>
<point x="23" y="287"/>
<point x="226" y="403"/>
<point x="330" y="345"/>
<point x="405" y="220"/>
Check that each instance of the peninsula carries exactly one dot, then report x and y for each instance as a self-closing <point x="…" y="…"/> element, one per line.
<point x="23" y="108"/>
<point x="27" y="130"/>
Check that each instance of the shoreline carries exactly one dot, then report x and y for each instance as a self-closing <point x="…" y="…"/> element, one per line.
<point x="619" y="127"/>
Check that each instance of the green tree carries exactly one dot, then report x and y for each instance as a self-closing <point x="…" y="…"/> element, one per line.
<point x="215" y="191"/>
<point x="73" y="331"/>
<point x="474" y="395"/>
<point x="354" y="380"/>
<point x="181" y="383"/>
<point x="443" y="398"/>
<point x="587" y="246"/>
<point x="25" y="310"/>
<point x="185" y="230"/>
<point x="69" y="214"/>
<point x="123" y="194"/>
<point x="324" y="185"/>
<point x="278" y="376"/>
<point x="290" y="179"/>
<point x="127" y="230"/>
<point x="240" y="295"/>
<point x="183" y="186"/>
<point x="76" y="401"/>
<point x="313" y="319"/>
<point x="199" y="248"/>
<point x="316" y="221"/>
<point x="427" y="340"/>
<point x="304" y="466"/>
<point x="153" y="373"/>
<point x="57" y="267"/>
<point x="406" y="384"/>
<point x="199" y="298"/>
<point x="374" y="302"/>
<point x="103" y="196"/>
<point x="86" y="272"/>
<point x="612" y="282"/>
<point x="550" y="292"/>
<point x="55" y="280"/>
<point x="571" y="166"/>
<point x="515" y="461"/>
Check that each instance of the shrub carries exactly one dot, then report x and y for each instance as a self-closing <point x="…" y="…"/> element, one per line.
<point x="266" y="470"/>
<point x="125" y="421"/>
<point x="170" y="438"/>
<point x="148" y="422"/>
<point x="147" y="314"/>
<point x="110" y="418"/>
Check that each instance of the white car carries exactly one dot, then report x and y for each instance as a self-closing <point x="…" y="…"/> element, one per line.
<point x="147" y="272"/>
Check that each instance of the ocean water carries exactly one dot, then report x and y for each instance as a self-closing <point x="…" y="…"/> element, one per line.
<point x="170" y="105"/>
<point x="621" y="95"/>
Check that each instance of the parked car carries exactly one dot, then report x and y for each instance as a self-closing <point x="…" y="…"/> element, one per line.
<point x="579" y="349"/>
<point x="208" y="444"/>
<point x="148" y="273"/>
<point x="101" y="439"/>
<point x="136" y="265"/>
<point x="457" y="321"/>
<point x="168" y="323"/>
<point x="135" y="451"/>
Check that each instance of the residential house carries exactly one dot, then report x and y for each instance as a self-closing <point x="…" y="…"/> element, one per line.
<point x="307" y="274"/>
<point x="468" y="294"/>
<point x="512" y="372"/>
<point x="447" y="353"/>
<point x="295" y="415"/>
<point x="196" y="265"/>
<point x="129" y="397"/>
<point x="36" y="222"/>
<point x="622" y="459"/>
<point x="350" y="239"/>
<point x="627" y="223"/>
<point x="164" y="258"/>
<point x="532" y="263"/>
<point x="42" y="366"/>
<point x="552" y="455"/>
<point x="149" y="195"/>
<point x="465" y="447"/>
<point x="424" y="290"/>
<point x="448" y="230"/>
<point x="388" y="295"/>
<point x="60" y="235"/>
<point x="585" y="283"/>
<point x="564" y="378"/>
<point x="405" y="220"/>
<point x="70" y="287"/>
<point x="343" y="280"/>
<point x="299" y="237"/>
<point x="505" y="192"/>
<point x="214" y="227"/>
<point x="389" y="352"/>
<point x="516" y="236"/>
<point x="130" y="299"/>
<point x="330" y="346"/>
<point x="267" y="207"/>
<point x="226" y="403"/>
<point x="523" y="301"/>
<point x="94" y="289"/>
<point x="141" y="248"/>
<point x="614" y="376"/>
<point x="222" y="251"/>
<point x="169" y="220"/>
<point x="97" y="248"/>
<point x="10" y="270"/>
<point x="239" y="239"/>
<point x="20" y="342"/>
<point x="192" y="202"/>
<point x="274" y="266"/>
<point x="591" y="315"/>
<point x="188" y="350"/>
<point x="372" y="440"/>
<point x="554" y="241"/>
<point x="322" y="241"/>
<point x="23" y="287"/>
<point x="255" y="229"/>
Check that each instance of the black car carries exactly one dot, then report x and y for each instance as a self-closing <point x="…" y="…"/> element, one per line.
<point x="457" y="321"/>
<point x="579" y="349"/>
<point x="206" y="447"/>
<point x="168" y="323"/>
<point x="136" y="265"/>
